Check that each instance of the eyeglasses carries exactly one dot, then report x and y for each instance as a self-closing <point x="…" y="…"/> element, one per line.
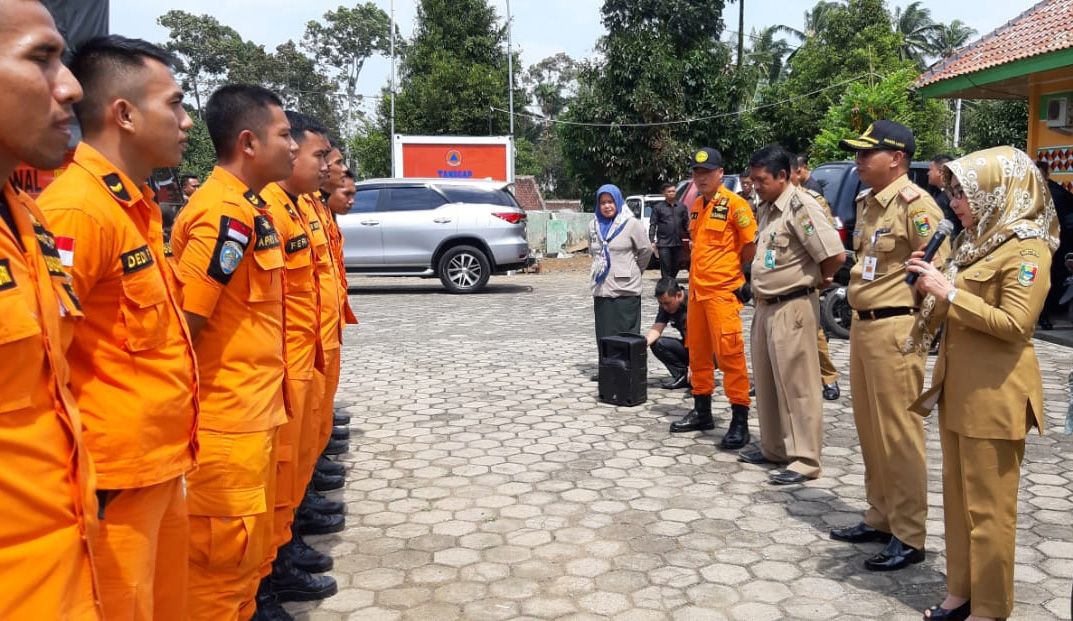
<point x="955" y="194"/>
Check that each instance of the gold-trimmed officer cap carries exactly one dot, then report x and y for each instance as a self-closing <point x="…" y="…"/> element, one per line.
<point x="882" y="134"/>
<point x="708" y="158"/>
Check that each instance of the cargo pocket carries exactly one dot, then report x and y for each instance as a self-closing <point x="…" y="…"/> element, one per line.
<point x="19" y="333"/>
<point x="266" y="284"/>
<point x="143" y="310"/>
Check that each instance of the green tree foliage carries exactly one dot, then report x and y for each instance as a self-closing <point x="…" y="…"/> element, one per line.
<point x="949" y="38"/>
<point x="990" y="123"/>
<point x="551" y="83"/>
<point x="204" y="47"/>
<point x="663" y="62"/>
<point x="890" y="99"/>
<point x="199" y="157"/>
<point x="918" y="32"/>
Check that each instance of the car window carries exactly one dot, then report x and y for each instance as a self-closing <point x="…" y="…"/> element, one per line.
<point x="478" y="194"/>
<point x="828" y="178"/>
<point x="410" y="199"/>
<point x="635" y="206"/>
<point x="365" y="201"/>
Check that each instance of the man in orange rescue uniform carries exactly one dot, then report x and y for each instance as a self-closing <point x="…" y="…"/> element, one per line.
<point x="723" y="230"/>
<point x="291" y="570"/>
<point x="230" y="261"/>
<point x="132" y="360"/>
<point x="46" y="483"/>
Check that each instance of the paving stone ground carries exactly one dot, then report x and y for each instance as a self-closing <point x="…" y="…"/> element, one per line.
<point x="487" y="482"/>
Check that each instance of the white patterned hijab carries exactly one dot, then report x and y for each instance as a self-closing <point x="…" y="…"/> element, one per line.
<point x="1008" y="197"/>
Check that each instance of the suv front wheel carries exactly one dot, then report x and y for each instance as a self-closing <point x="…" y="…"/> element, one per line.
<point x="464" y="269"/>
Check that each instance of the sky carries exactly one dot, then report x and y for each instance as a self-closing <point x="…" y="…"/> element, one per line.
<point x="541" y="27"/>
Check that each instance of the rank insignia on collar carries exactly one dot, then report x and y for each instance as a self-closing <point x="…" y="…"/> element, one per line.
<point x="1027" y="274"/>
<point x="909" y="194"/>
<point x="254" y="199"/>
<point x="116" y="187"/>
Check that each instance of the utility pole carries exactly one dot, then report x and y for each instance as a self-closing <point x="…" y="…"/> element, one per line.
<point x="510" y="71"/>
<point x="391" y="139"/>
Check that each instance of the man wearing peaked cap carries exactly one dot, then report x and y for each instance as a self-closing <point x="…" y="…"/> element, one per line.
<point x="894" y="218"/>
<point x="723" y="231"/>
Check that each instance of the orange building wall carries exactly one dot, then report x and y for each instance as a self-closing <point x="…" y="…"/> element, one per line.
<point x="1044" y="143"/>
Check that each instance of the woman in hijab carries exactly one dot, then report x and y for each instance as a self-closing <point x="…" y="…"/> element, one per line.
<point x="988" y="295"/>
<point x="620" y="251"/>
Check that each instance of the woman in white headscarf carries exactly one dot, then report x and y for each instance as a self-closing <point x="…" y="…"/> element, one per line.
<point x="620" y="252"/>
<point x="987" y="380"/>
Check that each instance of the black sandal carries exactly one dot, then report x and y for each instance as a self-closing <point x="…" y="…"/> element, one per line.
<point x="938" y="613"/>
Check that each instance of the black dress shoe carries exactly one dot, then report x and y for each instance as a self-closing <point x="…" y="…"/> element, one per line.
<point x="310" y="522"/>
<point x="320" y="504"/>
<point x="595" y="377"/>
<point x="938" y="613"/>
<point x="860" y="533"/>
<point x="305" y="557"/>
<point x="268" y="606"/>
<point x="337" y="447"/>
<point x="784" y="476"/>
<point x="327" y="466"/>
<point x="831" y="391"/>
<point x="340" y="420"/>
<point x="326" y="482"/>
<point x="291" y="584"/>
<point x="340" y="433"/>
<point x="694" y="421"/>
<point x="895" y="556"/>
<point x="675" y="382"/>
<point x="753" y="456"/>
<point x="752" y="389"/>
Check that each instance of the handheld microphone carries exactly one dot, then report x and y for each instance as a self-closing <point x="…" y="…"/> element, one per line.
<point x="944" y="229"/>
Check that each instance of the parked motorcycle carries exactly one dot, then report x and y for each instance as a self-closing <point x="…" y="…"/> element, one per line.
<point x="835" y="312"/>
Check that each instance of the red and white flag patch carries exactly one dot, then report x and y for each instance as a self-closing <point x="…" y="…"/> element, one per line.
<point x="238" y="231"/>
<point x="66" y="248"/>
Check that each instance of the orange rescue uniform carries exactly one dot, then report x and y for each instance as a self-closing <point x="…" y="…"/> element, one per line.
<point x="331" y="328"/>
<point x="335" y="238"/>
<point x="135" y="379"/>
<point x="720" y="229"/>
<point x="47" y="481"/>
<point x="231" y="264"/>
<point x="304" y="354"/>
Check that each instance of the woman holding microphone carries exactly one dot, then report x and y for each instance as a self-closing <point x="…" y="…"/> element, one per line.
<point x="989" y="295"/>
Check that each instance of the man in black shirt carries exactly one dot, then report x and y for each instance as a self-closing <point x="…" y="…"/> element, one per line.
<point x="1063" y="206"/>
<point x="935" y="188"/>
<point x="668" y="224"/>
<point x="804" y="176"/>
<point x="670" y="351"/>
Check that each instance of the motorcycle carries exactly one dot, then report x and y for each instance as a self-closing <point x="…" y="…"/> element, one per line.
<point x="835" y="312"/>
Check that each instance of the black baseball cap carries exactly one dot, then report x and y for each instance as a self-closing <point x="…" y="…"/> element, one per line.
<point x="708" y="158"/>
<point x="882" y="135"/>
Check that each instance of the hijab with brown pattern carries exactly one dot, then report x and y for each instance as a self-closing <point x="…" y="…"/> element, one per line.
<point x="1008" y="198"/>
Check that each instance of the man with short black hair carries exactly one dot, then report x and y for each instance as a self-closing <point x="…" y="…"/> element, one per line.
<point x="803" y="175"/>
<point x="230" y="260"/>
<point x="667" y="225"/>
<point x="132" y="358"/>
<point x="189" y="184"/>
<point x="342" y="199"/>
<point x="670" y="351"/>
<point x="748" y="192"/>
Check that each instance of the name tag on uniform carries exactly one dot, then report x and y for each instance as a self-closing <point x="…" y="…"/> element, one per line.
<point x="869" y="272"/>
<point x="769" y="258"/>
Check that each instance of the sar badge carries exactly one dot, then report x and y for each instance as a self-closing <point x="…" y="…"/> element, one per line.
<point x="231" y="245"/>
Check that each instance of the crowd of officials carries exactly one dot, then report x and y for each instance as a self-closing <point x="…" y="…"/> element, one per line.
<point x="984" y="291"/>
<point x="167" y="407"/>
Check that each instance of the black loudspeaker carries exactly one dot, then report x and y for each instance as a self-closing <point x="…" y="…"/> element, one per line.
<point x="623" y="369"/>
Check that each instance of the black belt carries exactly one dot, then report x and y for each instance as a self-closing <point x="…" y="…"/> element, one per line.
<point x="786" y="297"/>
<point x="883" y="313"/>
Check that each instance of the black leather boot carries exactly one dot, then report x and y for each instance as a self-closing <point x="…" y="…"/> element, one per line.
<point x="309" y="522"/>
<point x="326" y="482"/>
<point x="268" y="606"/>
<point x="737" y="435"/>
<point x="291" y="584"/>
<point x="327" y="466"/>
<point x="698" y="419"/>
<point x="340" y="433"/>
<point x="336" y="447"/>
<point x="340" y="419"/>
<point x="320" y="504"/>
<point x="304" y="556"/>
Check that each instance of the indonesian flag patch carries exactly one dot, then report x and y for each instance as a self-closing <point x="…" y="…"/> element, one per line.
<point x="238" y="231"/>
<point x="66" y="248"/>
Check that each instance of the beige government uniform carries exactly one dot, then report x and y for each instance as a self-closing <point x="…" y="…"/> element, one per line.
<point x="795" y="236"/>
<point x="828" y="371"/>
<point x="891" y="224"/>
<point x="985" y="411"/>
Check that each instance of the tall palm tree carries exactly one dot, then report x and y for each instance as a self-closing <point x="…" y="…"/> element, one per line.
<point x="815" y="20"/>
<point x="917" y="30"/>
<point x="949" y="38"/>
<point x="767" y="56"/>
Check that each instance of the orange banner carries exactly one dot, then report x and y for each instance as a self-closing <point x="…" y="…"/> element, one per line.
<point x="461" y="161"/>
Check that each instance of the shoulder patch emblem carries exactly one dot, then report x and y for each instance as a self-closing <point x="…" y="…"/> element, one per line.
<point x="66" y="247"/>
<point x="116" y="187"/>
<point x="253" y="198"/>
<point x="267" y="237"/>
<point x="7" y="279"/>
<point x="1028" y="252"/>
<point x="230" y="257"/>
<point x="806" y="224"/>
<point x="231" y="244"/>
<point x="909" y="194"/>
<point x="1027" y="274"/>
<point x="136" y="260"/>
<point x="922" y="224"/>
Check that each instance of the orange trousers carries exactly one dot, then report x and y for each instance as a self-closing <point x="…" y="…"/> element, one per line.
<point x="291" y="475"/>
<point x="230" y="499"/>
<point x="324" y="387"/>
<point x="141" y="553"/>
<point x="713" y="326"/>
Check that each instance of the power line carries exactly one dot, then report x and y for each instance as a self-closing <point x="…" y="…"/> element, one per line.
<point x="541" y="119"/>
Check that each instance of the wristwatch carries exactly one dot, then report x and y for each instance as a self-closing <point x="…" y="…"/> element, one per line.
<point x="950" y="296"/>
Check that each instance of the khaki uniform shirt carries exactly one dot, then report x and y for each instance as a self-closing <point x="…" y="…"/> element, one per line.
<point x="891" y="224"/>
<point x="795" y="237"/>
